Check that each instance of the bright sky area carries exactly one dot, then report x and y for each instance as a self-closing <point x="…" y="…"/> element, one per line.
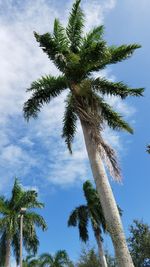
<point x="34" y="151"/>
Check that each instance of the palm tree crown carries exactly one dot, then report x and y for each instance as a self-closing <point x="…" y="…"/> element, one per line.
<point x="77" y="56"/>
<point x="10" y="222"/>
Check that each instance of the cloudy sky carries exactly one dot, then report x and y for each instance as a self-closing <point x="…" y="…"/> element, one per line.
<point x="34" y="151"/>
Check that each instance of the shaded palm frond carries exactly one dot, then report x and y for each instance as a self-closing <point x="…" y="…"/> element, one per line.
<point x="44" y="90"/>
<point x="75" y="26"/>
<point x="46" y="258"/>
<point x="69" y="122"/>
<point x="115" y="88"/>
<point x="52" y="49"/>
<point x="60" y="37"/>
<point x="94" y="206"/>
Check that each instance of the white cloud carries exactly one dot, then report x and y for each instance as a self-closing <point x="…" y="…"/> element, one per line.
<point x="37" y="148"/>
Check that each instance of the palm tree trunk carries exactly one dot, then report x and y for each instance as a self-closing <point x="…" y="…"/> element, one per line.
<point x="102" y="257"/>
<point x="7" y="259"/>
<point x="107" y="200"/>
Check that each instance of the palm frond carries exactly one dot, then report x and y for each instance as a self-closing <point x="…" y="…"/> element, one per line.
<point x="61" y="258"/>
<point x="69" y="122"/>
<point x="46" y="258"/>
<point x="73" y="218"/>
<point x="113" y="118"/>
<point x="44" y="90"/>
<point x="79" y="217"/>
<point x="75" y="26"/>
<point x="53" y="49"/>
<point x="122" y="52"/>
<point x="115" y="88"/>
<point x="94" y="205"/>
<point x="35" y="218"/>
<point x="60" y="37"/>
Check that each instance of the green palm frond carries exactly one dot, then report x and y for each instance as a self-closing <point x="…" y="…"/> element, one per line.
<point x="94" y="205"/>
<point x="75" y="26"/>
<point x="35" y="218"/>
<point x="69" y="122"/>
<point x="79" y="216"/>
<point x="46" y="258"/>
<point x="113" y="118"/>
<point x="60" y="37"/>
<point x="61" y="258"/>
<point x="52" y="49"/>
<point x="122" y="52"/>
<point x="115" y="88"/>
<point x="44" y="90"/>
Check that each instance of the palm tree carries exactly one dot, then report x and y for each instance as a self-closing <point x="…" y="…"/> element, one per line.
<point x="30" y="261"/>
<point x="60" y="259"/>
<point x="92" y="211"/>
<point x="10" y="223"/>
<point x="77" y="56"/>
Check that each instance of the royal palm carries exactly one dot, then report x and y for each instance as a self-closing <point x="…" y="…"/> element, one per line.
<point x="77" y="56"/>
<point x="81" y="215"/>
<point x="10" y="223"/>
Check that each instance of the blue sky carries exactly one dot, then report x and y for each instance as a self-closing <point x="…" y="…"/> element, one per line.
<point x="34" y="152"/>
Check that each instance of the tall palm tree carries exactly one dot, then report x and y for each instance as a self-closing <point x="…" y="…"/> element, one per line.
<point x="77" y="56"/>
<point x="81" y="215"/>
<point x="60" y="259"/>
<point x="10" y="223"/>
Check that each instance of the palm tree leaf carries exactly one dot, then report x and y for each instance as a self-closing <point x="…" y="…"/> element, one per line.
<point x="61" y="258"/>
<point x="113" y="118"/>
<point x="60" y="37"/>
<point x="122" y="52"/>
<point x="69" y="122"/>
<point x="46" y="258"/>
<point x="80" y="216"/>
<point x="52" y="49"/>
<point x="75" y="26"/>
<point x="115" y="88"/>
<point x="35" y="218"/>
<point x="44" y="90"/>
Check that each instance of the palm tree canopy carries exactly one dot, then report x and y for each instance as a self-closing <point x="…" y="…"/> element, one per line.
<point x="60" y="259"/>
<point x="10" y="222"/>
<point x="77" y="56"/>
<point x="81" y="215"/>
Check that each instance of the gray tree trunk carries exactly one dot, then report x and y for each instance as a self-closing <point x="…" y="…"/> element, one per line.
<point x="101" y="253"/>
<point x="7" y="259"/>
<point x="107" y="201"/>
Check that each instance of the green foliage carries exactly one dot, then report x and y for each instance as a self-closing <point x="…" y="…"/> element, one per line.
<point x="10" y="221"/>
<point x="75" y="26"/>
<point x="44" y="90"/>
<point x="88" y="258"/>
<point x="81" y="215"/>
<point x="139" y="243"/>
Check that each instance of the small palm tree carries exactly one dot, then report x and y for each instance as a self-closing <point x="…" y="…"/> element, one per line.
<point x="60" y="259"/>
<point x="77" y="56"/>
<point x="81" y="215"/>
<point x="10" y="223"/>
